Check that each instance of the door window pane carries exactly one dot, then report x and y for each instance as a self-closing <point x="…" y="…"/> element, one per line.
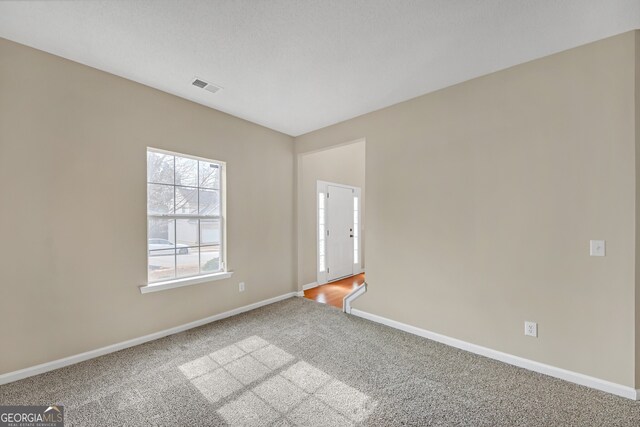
<point x="321" y="232"/>
<point x="356" y="227"/>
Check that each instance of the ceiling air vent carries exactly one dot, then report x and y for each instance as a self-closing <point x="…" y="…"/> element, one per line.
<point x="206" y="86"/>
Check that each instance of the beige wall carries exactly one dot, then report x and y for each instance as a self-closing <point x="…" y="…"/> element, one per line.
<point x="482" y="199"/>
<point x="342" y="165"/>
<point x="72" y="215"/>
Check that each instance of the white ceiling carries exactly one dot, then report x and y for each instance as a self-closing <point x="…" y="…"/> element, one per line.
<point x="299" y="65"/>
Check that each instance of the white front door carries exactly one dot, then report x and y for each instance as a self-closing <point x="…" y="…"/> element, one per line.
<point x="340" y="232"/>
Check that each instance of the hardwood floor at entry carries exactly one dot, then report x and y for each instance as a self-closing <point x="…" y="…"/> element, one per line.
<point x="333" y="293"/>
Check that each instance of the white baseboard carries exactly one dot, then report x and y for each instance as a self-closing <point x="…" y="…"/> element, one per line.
<point x="574" y="377"/>
<point x="60" y="363"/>
<point x="352" y="296"/>
<point x="300" y="293"/>
<point x="310" y="286"/>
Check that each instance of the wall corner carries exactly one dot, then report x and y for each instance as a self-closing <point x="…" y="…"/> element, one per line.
<point x="637" y="205"/>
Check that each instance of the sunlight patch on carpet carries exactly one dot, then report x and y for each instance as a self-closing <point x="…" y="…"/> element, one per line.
<point x="264" y="384"/>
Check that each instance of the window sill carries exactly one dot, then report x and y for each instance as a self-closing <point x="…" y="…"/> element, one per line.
<point x="187" y="281"/>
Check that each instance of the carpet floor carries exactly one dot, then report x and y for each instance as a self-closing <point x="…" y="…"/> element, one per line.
<point x="298" y="362"/>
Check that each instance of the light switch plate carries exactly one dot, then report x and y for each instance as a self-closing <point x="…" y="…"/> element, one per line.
<point x="597" y="248"/>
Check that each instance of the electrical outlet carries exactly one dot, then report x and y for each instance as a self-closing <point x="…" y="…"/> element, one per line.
<point x="241" y="287"/>
<point x="597" y="247"/>
<point x="531" y="329"/>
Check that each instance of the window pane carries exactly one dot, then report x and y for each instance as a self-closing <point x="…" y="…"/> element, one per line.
<point x="161" y="265"/>
<point x="210" y="259"/>
<point x="209" y="231"/>
<point x="159" y="199"/>
<point x="356" y="259"/>
<point x="161" y="234"/>
<point x="209" y="202"/>
<point x="187" y="262"/>
<point x="321" y="232"/>
<point x="186" y="200"/>
<point x="159" y="168"/>
<point x="209" y="175"/>
<point x="186" y="233"/>
<point x="186" y="171"/>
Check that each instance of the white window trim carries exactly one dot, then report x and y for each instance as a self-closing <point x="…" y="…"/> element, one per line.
<point x="187" y="281"/>
<point x="194" y="280"/>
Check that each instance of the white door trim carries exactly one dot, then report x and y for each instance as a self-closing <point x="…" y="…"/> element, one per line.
<point x="321" y="187"/>
<point x="352" y="296"/>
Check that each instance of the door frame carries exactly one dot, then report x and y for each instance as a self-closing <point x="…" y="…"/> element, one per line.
<point x="321" y="188"/>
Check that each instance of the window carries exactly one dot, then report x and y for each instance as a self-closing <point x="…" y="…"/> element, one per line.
<point x="321" y="233"/>
<point x="356" y="230"/>
<point x="185" y="219"/>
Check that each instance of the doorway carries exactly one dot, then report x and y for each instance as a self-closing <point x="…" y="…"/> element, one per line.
<point x="338" y="231"/>
<point x="341" y="166"/>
